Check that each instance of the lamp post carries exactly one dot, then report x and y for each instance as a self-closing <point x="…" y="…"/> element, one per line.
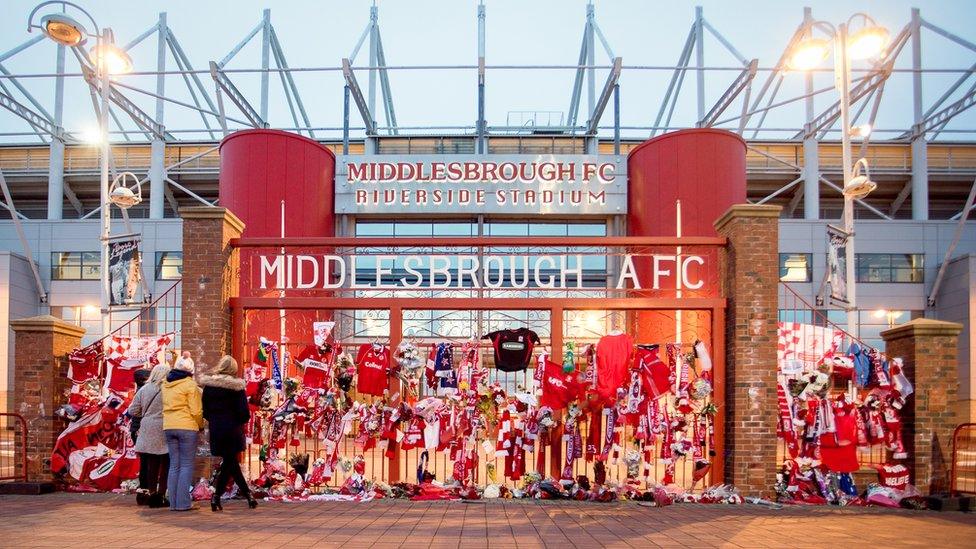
<point x="867" y="41"/>
<point x="106" y="59"/>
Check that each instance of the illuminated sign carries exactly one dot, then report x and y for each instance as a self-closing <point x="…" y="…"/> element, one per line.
<point x="430" y="272"/>
<point x="506" y="184"/>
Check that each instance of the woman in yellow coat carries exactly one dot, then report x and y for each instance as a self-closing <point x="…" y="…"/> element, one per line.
<point x="182" y="420"/>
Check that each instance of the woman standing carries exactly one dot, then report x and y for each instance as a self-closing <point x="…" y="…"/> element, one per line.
<point x="182" y="419"/>
<point x="225" y="409"/>
<point x="150" y="440"/>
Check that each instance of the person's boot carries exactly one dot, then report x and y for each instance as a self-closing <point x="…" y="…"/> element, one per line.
<point x="251" y="502"/>
<point x="215" y="504"/>
<point x="142" y="497"/>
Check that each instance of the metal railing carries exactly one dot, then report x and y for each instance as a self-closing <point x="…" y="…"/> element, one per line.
<point x="963" y="473"/>
<point x="13" y="455"/>
<point x="162" y="316"/>
<point x="794" y="309"/>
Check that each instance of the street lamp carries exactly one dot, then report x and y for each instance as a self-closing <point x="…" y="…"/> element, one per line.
<point x="861" y="37"/>
<point x="106" y="59"/>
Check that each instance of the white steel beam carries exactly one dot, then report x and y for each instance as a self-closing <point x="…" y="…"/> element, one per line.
<point x="357" y="95"/>
<point x="899" y="200"/>
<point x="605" y="95"/>
<point x="741" y="82"/>
<point x="920" y="160"/>
<point x="157" y="154"/>
<point x="224" y="83"/>
<point x="56" y="189"/>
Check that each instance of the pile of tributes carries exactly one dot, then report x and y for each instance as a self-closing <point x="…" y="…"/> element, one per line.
<point x="440" y="398"/>
<point x="94" y="452"/>
<point x="831" y="404"/>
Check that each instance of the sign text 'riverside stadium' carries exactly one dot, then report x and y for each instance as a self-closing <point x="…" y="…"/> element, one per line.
<point x="429" y="272"/>
<point x="511" y="184"/>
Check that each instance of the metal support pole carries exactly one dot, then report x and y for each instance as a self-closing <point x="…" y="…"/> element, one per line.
<point x="700" y="60"/>
<point x="920" y="168"/>
<point x="265" y="62"/>
<point x="811" y="154"/>
<point x="811" y="178"/>
<point x="345" y="119"/>
<point x="374" y="15"/>
<point x="157" y="171"/>
<point x="106" y="214"/>
<point x="55" y="167"/>
<point x="616" y="119"/>
<point x="590" y="60"/>
<point x="842" y="76"/>
<point x="482" y="149"/>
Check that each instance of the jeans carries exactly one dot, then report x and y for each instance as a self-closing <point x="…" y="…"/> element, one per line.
<point x="182" y="444"/>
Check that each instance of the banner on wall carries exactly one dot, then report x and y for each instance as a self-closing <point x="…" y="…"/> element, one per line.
<point x="837" y="277"/>
<point x="124" y="274"/>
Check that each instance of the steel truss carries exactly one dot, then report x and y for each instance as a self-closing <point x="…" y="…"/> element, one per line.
<point x="139" y="114"/>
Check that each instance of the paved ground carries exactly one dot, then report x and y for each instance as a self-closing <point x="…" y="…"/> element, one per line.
<point x="70" y="520"/>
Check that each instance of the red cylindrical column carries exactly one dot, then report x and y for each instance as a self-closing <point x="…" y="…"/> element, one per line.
<point x="260" y="168"/>
<point x="706" y="170"/>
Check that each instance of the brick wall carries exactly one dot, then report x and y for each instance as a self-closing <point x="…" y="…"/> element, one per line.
<point x="40" y="386"/>
<point x="750" y="278"/>
<point x="210" y="278"/>
<point x="929" y="349"/>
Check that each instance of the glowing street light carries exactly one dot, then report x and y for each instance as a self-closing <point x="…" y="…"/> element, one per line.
<point x="861" y="37"/>
<point x="106" y="58"/>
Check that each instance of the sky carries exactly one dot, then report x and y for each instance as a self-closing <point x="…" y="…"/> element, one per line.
<point x="519" y="32"/>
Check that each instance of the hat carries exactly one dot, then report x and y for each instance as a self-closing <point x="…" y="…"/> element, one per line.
<point x="184" y="363"/>
<point x="140" y="376"/>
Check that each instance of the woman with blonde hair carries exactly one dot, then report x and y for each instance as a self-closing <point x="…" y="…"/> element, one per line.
<point x="225" y="409"/>
<point x="182" y="420"/>
<point x="150" y="440"/>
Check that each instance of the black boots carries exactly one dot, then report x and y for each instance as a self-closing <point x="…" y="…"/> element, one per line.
<point x="251" y="502"/>
<point x="215" y="504"/>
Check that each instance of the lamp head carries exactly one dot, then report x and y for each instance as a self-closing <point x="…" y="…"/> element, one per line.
<point x="63" y="29"/>
<point x="860" y="185"/>
<point x="123" y="196"/>
<point x="867" y="42"/>
<point x="110" y="58"/>
<point x="808" y="54"/>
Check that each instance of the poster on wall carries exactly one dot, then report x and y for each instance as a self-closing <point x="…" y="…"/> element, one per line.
<point x="124" y="273"/>
<point x="836" y="277"/>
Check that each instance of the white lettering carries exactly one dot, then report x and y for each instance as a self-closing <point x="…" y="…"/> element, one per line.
<point x="658" y="271"/>
<point x="277" y="269"/>
<point x="628" y="272"/>
<point x="684" y="272"/>
<point x="302" y="284"/>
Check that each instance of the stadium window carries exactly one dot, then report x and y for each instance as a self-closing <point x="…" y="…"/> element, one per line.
<point x="897" y="268"/>
<point x="795" y="267"/>
<point x="76" y="266"/>
<point x="169" y="265"/>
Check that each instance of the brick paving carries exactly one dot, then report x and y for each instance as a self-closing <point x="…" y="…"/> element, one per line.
<point x="106" y="520"/>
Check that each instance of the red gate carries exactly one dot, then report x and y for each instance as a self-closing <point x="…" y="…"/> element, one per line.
<point x="699" y="313"/>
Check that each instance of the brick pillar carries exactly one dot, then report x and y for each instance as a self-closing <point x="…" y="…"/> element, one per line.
<point x="750" y="278"/>
<point x="210" y="278"/>
<point x="40" y="386"/>
<point x="929" y="349"/>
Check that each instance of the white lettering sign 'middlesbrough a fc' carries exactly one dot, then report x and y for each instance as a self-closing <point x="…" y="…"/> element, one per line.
<point x="427" y="272"/>
<point x="515" y="184"/>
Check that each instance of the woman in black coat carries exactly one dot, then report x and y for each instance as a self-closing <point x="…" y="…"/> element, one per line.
<point x="225" y="409"/>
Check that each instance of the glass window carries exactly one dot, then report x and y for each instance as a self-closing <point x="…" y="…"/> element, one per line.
<point x="907" y="268"/>
<point x="795" y="267"/>
<point x="76" y="266"/>
<point x="169" y="265"/>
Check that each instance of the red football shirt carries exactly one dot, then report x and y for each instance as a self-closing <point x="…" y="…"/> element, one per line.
<point x="558" y="388"/>
<point x="612" y="358"/>
<point x="372" y="366"/>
